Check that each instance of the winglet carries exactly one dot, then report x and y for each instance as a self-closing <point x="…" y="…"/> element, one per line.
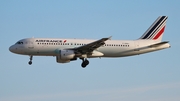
<point x="109" y="38"/>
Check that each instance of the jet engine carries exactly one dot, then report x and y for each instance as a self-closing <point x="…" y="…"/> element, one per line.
<point x="65" y="56"/>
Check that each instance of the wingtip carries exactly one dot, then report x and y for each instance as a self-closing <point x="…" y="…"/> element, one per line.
<point x="110" y="37"/>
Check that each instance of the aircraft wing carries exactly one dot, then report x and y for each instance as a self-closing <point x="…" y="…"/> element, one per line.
<point x="91" y="46"/>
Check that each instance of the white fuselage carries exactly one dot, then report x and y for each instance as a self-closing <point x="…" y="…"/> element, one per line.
<point x="67" y="50"/>
<point x="111" y="48"/>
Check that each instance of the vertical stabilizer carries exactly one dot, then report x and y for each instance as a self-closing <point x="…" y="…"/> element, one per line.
<point x="156" y="30"/>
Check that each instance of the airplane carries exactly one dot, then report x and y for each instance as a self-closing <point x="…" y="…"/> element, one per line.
<point x="66" y="50"/>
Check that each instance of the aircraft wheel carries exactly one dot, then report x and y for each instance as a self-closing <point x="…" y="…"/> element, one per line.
<point x="83" y="65"/>
<point x="86" y="62"/>
<point x="30" y="62"/>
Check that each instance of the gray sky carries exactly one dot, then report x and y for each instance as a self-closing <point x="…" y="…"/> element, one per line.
<point x="149" y="77"/>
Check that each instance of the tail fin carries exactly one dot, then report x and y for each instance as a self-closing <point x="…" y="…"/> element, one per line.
<point x="156" y="30"/>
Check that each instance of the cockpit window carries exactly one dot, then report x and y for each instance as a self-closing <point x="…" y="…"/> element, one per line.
<point x="19" y="42"/>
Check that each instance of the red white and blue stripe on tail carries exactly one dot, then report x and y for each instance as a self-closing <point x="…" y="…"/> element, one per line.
<point x="156" y="30"/>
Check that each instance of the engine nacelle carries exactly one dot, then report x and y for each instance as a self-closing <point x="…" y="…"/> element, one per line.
<point x="65" y="56"/>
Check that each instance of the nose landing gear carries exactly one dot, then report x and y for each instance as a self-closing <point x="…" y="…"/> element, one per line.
<point x="30" y="62"/>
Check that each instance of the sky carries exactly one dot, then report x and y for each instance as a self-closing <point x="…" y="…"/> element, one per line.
<point x="149" y="77"/>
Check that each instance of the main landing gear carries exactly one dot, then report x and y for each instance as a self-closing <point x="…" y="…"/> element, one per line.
<point x="30" y="62"/>
<point x="85" y="62"/>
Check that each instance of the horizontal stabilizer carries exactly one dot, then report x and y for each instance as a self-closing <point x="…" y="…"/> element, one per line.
<point x="159" y="44"/>
<point x="147" y="47"/>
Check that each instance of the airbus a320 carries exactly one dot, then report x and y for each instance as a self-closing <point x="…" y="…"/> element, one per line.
<point x="67" y="50"/>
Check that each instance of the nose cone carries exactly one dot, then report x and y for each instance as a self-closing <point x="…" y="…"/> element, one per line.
<point x="12" y="49"/>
